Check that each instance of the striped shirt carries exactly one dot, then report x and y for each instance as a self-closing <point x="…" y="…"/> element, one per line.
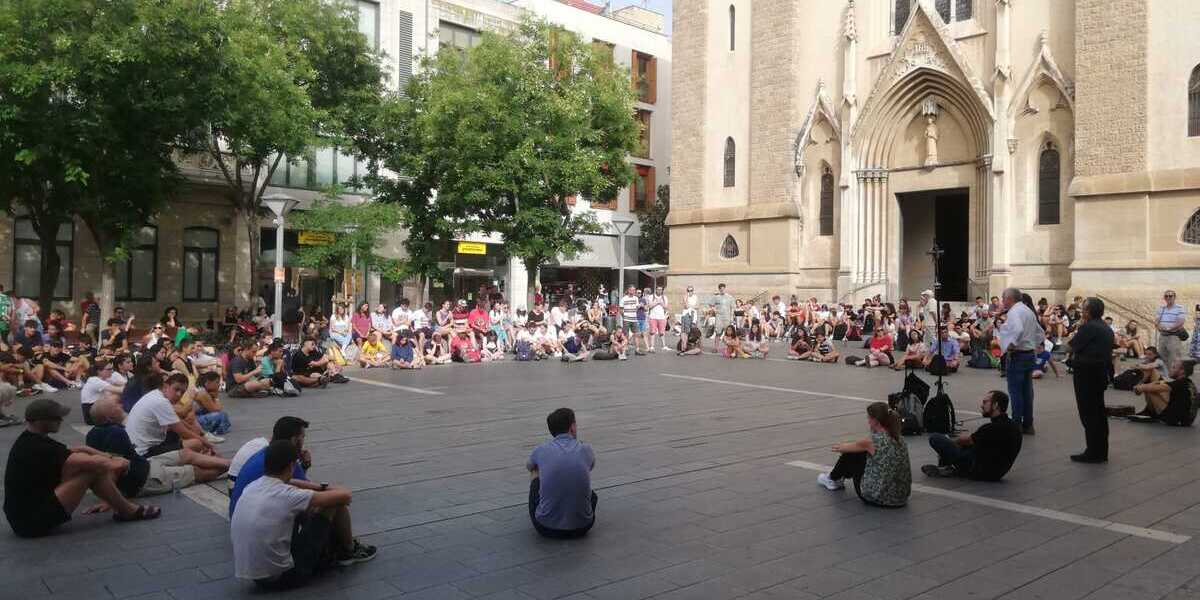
<point x="629" y="308"/>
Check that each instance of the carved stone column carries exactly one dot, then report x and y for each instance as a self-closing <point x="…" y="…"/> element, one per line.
<point x="848" y="219"/>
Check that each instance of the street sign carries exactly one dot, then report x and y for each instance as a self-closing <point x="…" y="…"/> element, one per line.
<point x="472" y="248"/>
<point x="315" y="238"/>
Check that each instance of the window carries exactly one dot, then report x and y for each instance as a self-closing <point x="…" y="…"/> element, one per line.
<point x="368" y="22"/>
<point x="27" y="260"/>
<point x="732" y="27"/>
<point x="903" y="8"/>
<point x="641" y="193"/>
<point x="645" y="76"/>
<point x="324" y="167"/>
<point x="1191" y="231"/>
<point x="137" y="277"/>
<point x="200" y="260"/>
<point x="643" y="149"/>
<point x="1049" y="168"/>
<point x="943" y="10"/>
<point x="405" y="60"/>
<point x="826" y="211"/>
<point x="952" y="11"/>
<point x="457" y="36"/>
<point x="730" y="162"/>
<point x="729" y="248"/>
<point x="607" y="204"/>
<point x="1194" y="103"/>
<point x="962" y="10"/>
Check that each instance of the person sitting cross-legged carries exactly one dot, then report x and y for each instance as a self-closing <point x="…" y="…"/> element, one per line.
<point x="311" y="368"/>
<point x="987" y="454"/>
<point x="284" y="534"/>
<point x="210" y="413"/>
<point x="373" y="353"/>
<point x="158" y="474"/>
<point x="404" y="352"/>
<point x="689" y="344"/>
<point x="946" y="346"/>
<point x="823" y="350"/>
<point x="153" y="425"/>
<point x="45" y="481"/>
<point x="561" y="501"/>
<point x="244" y="379"/>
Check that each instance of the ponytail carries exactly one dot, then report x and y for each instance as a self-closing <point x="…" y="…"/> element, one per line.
<point x="881" y="412"/>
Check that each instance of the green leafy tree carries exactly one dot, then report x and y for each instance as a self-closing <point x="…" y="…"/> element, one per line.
<point x="654" y="244"/>
<point x="360" y="230"/>
<point x="296" y="75"/>
<point x="94" y="95"/>
<point x="500" y="137"/>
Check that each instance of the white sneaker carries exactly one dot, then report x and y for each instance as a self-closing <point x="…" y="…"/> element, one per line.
<point x="622" y="357"/>
<point x="45" y="387"/>
<point x="213" y="439"/>
<point x="829" y="484"/>
<point x="651" y="348"/>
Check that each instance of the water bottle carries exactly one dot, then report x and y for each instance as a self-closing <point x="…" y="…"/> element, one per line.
<point x="175" y="484"/>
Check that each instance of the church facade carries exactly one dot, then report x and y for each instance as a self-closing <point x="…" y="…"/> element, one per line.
<point x="820" y="147"/>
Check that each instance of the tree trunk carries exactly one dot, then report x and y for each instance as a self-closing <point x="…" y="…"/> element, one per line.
<point x="51" y="265"/>
<point x="108" y="290"/>
<point x="254" y="235"/>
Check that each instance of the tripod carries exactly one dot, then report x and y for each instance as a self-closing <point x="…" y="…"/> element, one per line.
<point x="935" y="254"/>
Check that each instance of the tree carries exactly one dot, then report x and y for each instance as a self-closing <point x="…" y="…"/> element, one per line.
<point x="297" y="74"/>
<point x="501" y="137"/>
<point x="94" y="94"/>
<point x="653" y="247"/>
<point x="359" y="229"/>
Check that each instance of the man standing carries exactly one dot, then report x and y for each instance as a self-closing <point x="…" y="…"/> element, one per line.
<point x="658" y="319"/>
<point x="723" y="304"/>
<point x="691" y="305"/>
<point x="985" y="455"/>
<point x="927" y="314"/>
<point x="1091" y="353"/>
<point x="629" y="317"/>
<point x="561" y="501"/>
<point x="1020" y="336"/>
<point x="1170" y="324"/>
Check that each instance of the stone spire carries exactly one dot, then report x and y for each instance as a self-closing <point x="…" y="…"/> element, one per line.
<point x="848" y="28"/>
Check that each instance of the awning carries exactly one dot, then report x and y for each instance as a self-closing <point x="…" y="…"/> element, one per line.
<point x="468" y="272"/>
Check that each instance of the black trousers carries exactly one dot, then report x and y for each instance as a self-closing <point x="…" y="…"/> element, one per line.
<point x="1090" y="381"/>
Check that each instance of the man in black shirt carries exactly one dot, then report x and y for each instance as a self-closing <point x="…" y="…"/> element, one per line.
<point x="985" y="455"/>
<point x="311" y="368"/>
<point x="1091" y="355"/>
<point x="244" y="378"/>
<point x="45" y="481"/>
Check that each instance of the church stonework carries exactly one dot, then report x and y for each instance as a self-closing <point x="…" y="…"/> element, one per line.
<point x="1042" y="144"/>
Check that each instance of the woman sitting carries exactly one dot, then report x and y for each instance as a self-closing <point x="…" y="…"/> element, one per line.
<point x="881" y="349"/>
<point x="1130" y="341"/>
<point x="756" y="343"/>
<point x="914" y="353"/>
<point x="436" y="352"/>
<point x="340" y="329"/>
<point x="360" y="324"/>
<point x="878" y="464"/>
<point x="731" y="345"/>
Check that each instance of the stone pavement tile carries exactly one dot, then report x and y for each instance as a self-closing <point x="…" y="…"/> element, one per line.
<point x="1073" y="581"/>
<point x="1020" y="539"/>
<point x="506" y="595"/>
<point x="221" y="588"/>
<point x="635" y="588"/>
<point x="555" y="585"/>
<point x="828" y="582"/>
<point x="442" y="592"/>
<point x="975" y="585"/>
<point x="695" y="571"/>
<point x="1119" y="592"/>
<point x="763" y="576"/>
<point x="218" y="570"/>
<point x="780" y="592"/>
<point x="898" y="585"/>
<point x="426" y="573"/>
<point x="955" y="565"/>
<point x="1129" y="553"/>
<point x="858" y="593"/>
<point x="713" y="589"/>
<point x="183" y="561"/>
<point x="1151" y="580"/>
<point x="94" y="579"/>
<point x="875" y="565"/>
<point x="157" y="582"/>
<point x="495" y="581"/>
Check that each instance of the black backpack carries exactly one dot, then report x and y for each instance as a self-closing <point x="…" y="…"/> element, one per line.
<point x="937" y="366"/>
<point x="1127" y="379"/>
<point x="980" y="359"/>
<point x="939" y="414"/>
<point x="913" y="384"/>
<point x="909" y="408"/>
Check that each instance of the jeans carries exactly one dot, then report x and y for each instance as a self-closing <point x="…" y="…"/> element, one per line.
<point x="342" y="339"/>
<point x="216" y="423"/>
<point x="1020" y="387"/>
<point x="535" y="497"/>
<point x="950" y="453"/>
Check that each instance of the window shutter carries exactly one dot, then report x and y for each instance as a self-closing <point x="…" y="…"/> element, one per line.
<point x="633" y="72"/>
<point x="651" y="189"/>
<point x="404" y="70"/>
<point x="652" y="76"/>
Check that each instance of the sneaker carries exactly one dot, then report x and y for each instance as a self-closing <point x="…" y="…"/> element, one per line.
<point x="651" y="348"/>
<point x="359" y="554"/>
<point x="830" y="484"/>
<point x="622" y="357"/>
<point x="45" y="387"/>
<point x="74" y="385"/>
<point x="7" y="421"/>
<point x="213" y="439"/>
<point x="936" y="471"/>
<point x="29" y="391"/>
<point x="558" y="355"/>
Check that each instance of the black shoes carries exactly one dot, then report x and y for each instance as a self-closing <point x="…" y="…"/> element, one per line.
<point x="1084" y="457"/>
<point x="936" y="471"/>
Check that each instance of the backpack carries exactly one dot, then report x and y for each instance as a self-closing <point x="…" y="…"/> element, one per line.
<point x="937" y="366"/>
<point x="604" y="355"/>
<point x="913" y="384"/>
<point x="1127" y="379"/>
<point x="523" y="351"/>
<point x="909" y="408"/>
<point x="289" y="389"/>
<point x="939" y="416"/>
<point x="853" y="360"/>
<point x="980" y="359"/>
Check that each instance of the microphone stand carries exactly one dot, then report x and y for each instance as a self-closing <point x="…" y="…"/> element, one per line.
<point x="935" y="254"/>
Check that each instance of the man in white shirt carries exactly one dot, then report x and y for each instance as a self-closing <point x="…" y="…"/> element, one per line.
<point x="691" y="311"/>
<point x="1021" y="335"/>
<point x="927" y="314"/>
<point x="1170" y="323"/>
<point x="657" y="313"/>
<point x="153" y="426"/>
<point x="282" y="535"/>
<point x="629" y="320"/>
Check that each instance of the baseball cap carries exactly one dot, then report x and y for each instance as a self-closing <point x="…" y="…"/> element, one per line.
<point x="927" y="293"/>
<point x="45" y="409"/>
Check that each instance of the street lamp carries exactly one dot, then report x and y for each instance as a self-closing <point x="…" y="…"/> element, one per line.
<point x="622" y="225"/>
<point x="280" y="205"/>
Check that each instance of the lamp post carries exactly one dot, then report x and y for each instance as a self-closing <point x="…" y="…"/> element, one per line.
<point x="622" y="224"/>
<point x="280" y="205"/>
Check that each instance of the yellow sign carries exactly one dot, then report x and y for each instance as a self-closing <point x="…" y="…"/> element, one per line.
<point x="472" y="248"/>
<point x="316" y="238"/>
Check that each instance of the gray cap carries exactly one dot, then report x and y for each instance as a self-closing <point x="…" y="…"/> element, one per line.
<point x="45" y="409"/>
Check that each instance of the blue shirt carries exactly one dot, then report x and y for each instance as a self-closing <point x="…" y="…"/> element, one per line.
<point x="564" y="467"/>
<point x="255" y="468"/>
<point x="1041" y="360"/>
<point x="402" y="351"/>
<point x="950" y="348"/>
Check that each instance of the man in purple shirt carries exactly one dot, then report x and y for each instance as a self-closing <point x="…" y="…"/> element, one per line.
<point x="561" y="501"/>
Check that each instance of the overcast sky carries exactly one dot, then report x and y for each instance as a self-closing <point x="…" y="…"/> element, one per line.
<point x="661" y="6"/>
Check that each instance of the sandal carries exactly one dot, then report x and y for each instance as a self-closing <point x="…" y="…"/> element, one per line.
<point x="144" y="512"/>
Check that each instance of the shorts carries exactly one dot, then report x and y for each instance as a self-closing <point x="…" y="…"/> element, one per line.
<point x="642" y="326"/>
<point x="48" y="515"/>
<point x="658" y="326"/>
<point x="164" y="469"/>
<point x="170" y="444"/>
<point x="630" y="327"/>
<point x="312" y="552"/>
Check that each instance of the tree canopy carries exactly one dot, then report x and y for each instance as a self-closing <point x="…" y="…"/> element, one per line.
<point x="502" y="137"/>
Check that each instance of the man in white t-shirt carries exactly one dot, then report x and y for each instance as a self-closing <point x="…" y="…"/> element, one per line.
<point x="284" y="535"/>
<point x="656" y="309"/>
<point x="153" y="426"/>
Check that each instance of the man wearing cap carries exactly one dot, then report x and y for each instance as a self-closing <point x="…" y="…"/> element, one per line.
<point x="1021" y="335"/>
<point x="927" y="314"/>
<point x="45" y="481"/>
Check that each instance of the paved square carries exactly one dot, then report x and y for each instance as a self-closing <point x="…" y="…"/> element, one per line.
<point x="697" y="496"/>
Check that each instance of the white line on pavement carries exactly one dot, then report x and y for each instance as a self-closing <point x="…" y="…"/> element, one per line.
<point x="788" y="390"/>
<point x="209" y="498"/>
<point x="1142" y="532"/>
<point x="398" y="387"/>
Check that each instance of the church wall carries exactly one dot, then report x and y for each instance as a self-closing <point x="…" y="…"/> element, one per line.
<point x="689" y="98"/>
<point x="1110" y="53"/>
<point x="773" y="104"/>
<point x="1173" y="53"/>
<point x="727" y="112"/>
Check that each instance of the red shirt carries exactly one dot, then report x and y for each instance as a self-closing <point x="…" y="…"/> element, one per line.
<point x="881" y="343"/>
<point x="459" y="317"/>
<point x="464" y="347"/>
<point x="479" y="320"/>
